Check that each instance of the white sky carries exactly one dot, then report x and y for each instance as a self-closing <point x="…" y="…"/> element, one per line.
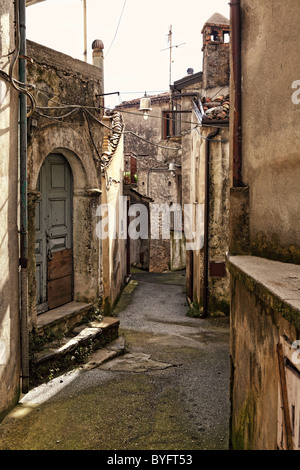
<point x="135" y="62"/>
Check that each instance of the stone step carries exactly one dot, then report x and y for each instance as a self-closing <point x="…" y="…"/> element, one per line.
<point x="62" y="319"/>
<point x="75" y="348"/>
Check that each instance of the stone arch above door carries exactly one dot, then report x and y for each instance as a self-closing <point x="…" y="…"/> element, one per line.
<point x="86" y="198"/>
<point x="72" y="145"/>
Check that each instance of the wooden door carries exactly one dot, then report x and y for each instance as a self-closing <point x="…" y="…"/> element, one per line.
<point x="54" y="256"/>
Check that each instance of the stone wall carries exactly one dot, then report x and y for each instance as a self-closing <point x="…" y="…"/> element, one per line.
<point x="193" y="191"/>
<point x="62" y="80"/>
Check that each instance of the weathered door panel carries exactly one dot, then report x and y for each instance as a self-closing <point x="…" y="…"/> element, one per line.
<point x="60" y="269"/>
<point x="53" y="231"/>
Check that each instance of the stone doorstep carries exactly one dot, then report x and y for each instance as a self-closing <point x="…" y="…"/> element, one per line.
<point x="65" y="316"/>
<point x="83" y="335"/>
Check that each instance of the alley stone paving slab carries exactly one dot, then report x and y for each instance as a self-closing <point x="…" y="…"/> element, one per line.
<point x="169" y="391"/>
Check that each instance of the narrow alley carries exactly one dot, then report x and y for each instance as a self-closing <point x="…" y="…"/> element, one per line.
<point x="169" y="390"/>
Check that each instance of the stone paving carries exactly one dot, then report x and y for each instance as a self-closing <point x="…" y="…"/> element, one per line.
<point x="169" y="391"/>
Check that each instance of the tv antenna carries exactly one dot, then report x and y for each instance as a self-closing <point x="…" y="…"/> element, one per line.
<point x="170" y="35"/>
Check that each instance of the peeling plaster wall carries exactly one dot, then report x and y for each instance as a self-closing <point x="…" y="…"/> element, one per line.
<point x="271" y="132"/>
<point x="114" y="249"/>
<point x="9" y="253"/>
<point x="193" y="188"/>
<point x="268" y="206"/>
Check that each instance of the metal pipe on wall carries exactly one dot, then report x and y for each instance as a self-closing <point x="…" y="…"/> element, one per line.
<point x="206" y="223"/>
<point x="235" y="25"/>
<point x="23" y="202"/>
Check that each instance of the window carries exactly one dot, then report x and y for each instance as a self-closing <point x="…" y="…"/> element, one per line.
<point x="226" y="38"/>
<point x="214" y="36"/>
<point x="171" y="123"/>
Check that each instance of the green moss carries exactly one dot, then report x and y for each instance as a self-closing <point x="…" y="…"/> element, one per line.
<point x="124" y="298"/>
<point x="271" y="248"/>
<point x="219" y="307"/>
<point x="244" y="430"/>
<point x="194" y="311"/>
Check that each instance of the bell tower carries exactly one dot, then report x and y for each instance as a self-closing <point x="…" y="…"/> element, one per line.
<point x="215" y="49"/>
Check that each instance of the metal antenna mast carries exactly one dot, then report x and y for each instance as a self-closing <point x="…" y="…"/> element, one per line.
<point x="170" y="35"/>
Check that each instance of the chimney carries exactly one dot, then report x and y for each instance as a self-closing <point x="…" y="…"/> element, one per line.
<point x="98" y="47"/>
<point x="215" y="49"/>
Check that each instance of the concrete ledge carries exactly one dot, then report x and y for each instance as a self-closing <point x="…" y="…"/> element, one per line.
<point x="275" y="283"/>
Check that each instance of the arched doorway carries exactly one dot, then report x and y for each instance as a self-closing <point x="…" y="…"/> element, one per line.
<point x="54" y="237"/>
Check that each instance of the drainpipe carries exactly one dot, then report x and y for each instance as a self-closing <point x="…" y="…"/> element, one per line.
<point x="23" y="203"/>
<point x="206" y="223"/>
<point x="235" y="25"/>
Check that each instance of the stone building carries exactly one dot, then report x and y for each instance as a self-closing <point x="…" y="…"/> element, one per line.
<point x="204" y="101"/>
<point x="181" y="121"/>
<point x="68" y="272"/>
<point x="156" y="144"/>
<point x="63" y="181"/>
<point x="265" y="225"/>
<point x="72" y="173"/>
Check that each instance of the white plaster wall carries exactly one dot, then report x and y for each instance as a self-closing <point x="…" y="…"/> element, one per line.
<point x="9" y="255"/>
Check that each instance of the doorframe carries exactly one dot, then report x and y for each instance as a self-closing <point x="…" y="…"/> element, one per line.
<point x="87" y="283"/>
<point x="44" y="307"/>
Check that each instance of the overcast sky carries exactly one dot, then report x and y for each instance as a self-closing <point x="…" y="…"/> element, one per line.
<point x="134" y="60"/>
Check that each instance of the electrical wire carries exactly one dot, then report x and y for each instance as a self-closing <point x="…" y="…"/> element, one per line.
<point x="86" y="110"/>
<point x="74" y="111"/>
<point x="91" y="135"/>
<point x="133" y="133"/>
<point x="149" y="142"/>
<point x="117" y="28"/>
<point x="99" y="108"/>
<point x="16" y="84"/>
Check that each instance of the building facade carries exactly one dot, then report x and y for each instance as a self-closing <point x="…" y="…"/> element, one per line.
<point x="264" y="226"/>
<point x="156" y="146"/>
<point x="205" y="104"/>
<point x="64" y="272"/>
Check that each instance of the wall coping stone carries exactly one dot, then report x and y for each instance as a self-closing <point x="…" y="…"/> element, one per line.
<point x="275" y="283"/>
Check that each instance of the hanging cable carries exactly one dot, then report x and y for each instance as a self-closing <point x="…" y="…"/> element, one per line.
<point x="91" y="135"/>
<point x="117" y="28"/>
<point x="16" y="84"/>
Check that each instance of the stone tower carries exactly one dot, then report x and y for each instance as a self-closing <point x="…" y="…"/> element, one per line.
<point x="216" y="52"/>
